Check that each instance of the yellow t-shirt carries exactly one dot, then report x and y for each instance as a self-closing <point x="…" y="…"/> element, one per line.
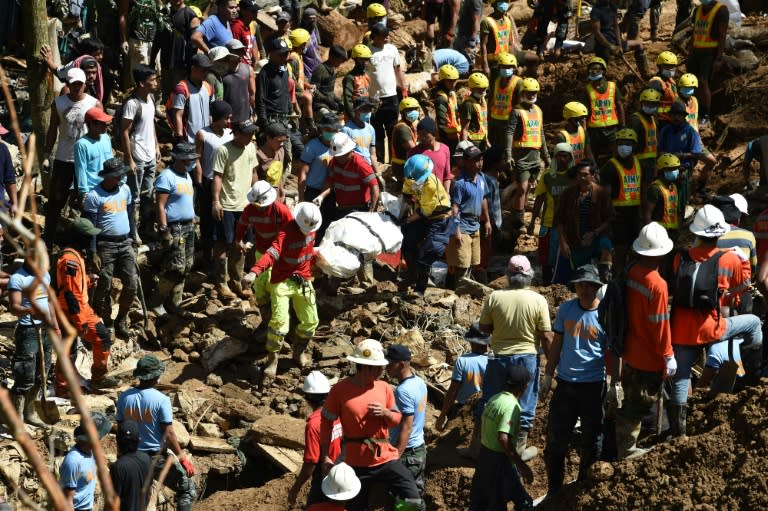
<point x="517" y="315"/>
<point x="432" y="195"/>
<point x="235" y="164"/>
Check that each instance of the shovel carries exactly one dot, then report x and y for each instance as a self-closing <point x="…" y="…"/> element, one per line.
<point x="726" y="376"/>
<point x="48" y="409"/>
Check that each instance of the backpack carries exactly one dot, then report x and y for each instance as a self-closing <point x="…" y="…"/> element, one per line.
<point x="696" y="283"/>
<point x="117" y="120"/>
<point x="612" y="311"/>
<point x="169" y="110"/>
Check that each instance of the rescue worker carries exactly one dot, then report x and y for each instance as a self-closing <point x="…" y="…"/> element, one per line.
<point x="73" y="282"/>
<point x="623" y="177"/>
<point x="77" y="472"/>
<point x="662" y="199"/>
<point x="495" y="35"/>
<point x="710" y="28"/>
<point x="175" y="212"/>
<point x="686" y="88"/>
<point x="574" y="131"/>
<point x="733" y="207"/>
<point x="299" y="39"/>
<point x="375" y="14"/>
<point x="505" y="94"/>
<point x="438" y="152"/>
<point x="644" y="124"/>
<point x="606" y="111"/>
<point x="355" y="84"/>
<point x="647" y="358"/>
<point x="110" y="207"/>
<point x="446" y="106"/>
<point x="360" y="130"/>
<point x="665" y="84"/>
<point x="474" y="112"/>
<point x="525" y="147"/>
<point x="403" y="137"/>
<point x="290" y="256"/>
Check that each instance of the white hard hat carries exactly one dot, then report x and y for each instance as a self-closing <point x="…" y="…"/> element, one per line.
<point x="341" y="144"/>
<point x="341" y="483"/>
<point x="740" y="202"/>
<point x="653" y="240"/>
<point x="368" y="353"/>
<point x="316" y="383"/>
<point x="709" y="222"/>
<point x="262" y="194"/>
<point x="308" y="217"/>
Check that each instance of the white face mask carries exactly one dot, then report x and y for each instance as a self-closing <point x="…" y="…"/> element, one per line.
<point x="650" y="110"/>
<point x="668" y="73"/>
<point x="624" y="151"/>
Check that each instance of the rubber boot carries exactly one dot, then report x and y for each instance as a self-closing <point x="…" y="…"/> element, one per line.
<point x="162" y="291"/>
<point x="422" y="279"/>
<point x="365" y="275"/>
<point x="473" y="451"/>
<point x="270" y="368"/>
<point x="173" y="302"/>
<point x="525" y="452"/>
<point x="300" y="353"/>
<point x="627" y="433"/>
<point x="677" y="418"/>
<point x="30" y="410"/>
<point x="555" y="474"/>
<point x="221" y="278"/>
<point x="18" y="403"/>
<point x="451" y="280"/>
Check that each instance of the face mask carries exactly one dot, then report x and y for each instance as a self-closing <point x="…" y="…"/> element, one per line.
<point x="478" y="94"/>
<point x="382" y="21"/>
<point x="502" y="6"/>
<point x="671" y="175"/>
<point x="412" y="116"/>
<point x="668" y="73"/>
<point x="366" y="116"/>
<point x="596" y="78"/>
<point x="686" y="92"/>
<point x="650" y="110"/>
<point x="624" y="151"/>
<point x="327" y="135"/>
<point x="506" y="72"/>
<point x="531" y="101"/>
<point x="190" y="166"/>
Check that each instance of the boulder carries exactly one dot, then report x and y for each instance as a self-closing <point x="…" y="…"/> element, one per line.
<point x="278" y="430"/>
<point x="182" y="435"/>
<point x="209" y="430"/>
<point x="208" y="444"/>
<point x="336" y="29"/>
<point x="225" y="349"/>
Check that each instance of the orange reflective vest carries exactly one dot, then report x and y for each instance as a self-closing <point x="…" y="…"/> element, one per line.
<point x="298" y="61"/>
<point x="480" y="119"/>
<point x="668" y="96"/>
<point x="669" y="217"/>
<point x="578" y="142"/>
<point x="703" y="22"/>
<point x="360" y="85"/>
<point x="629" y="183"/>
<point x="603" y="112"/>
<point x="501" y="102"/>
<point x="532" y="123"/>
<point x="651" y="134"/>
<point x="452" y="124"/>
<point x="500" y="31"/>
<point x="398" y="157"/>
<point x="692" y="107"/>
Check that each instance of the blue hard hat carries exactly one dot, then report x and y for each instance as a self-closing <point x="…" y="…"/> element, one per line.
<point x="418" y="167"/>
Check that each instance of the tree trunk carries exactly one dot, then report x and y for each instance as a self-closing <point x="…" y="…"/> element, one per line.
<point x="40" y="80"/>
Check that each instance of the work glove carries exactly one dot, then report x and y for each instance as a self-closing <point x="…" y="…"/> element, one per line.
<point x="671" y="366"/>
<point x="250" y="277"/>
<point x="166" y="238"/>
<point x="318" y="201"/>
<point x="613" y="399"/>
<point x="545" y="387"/>
<point x="188" y="467"/>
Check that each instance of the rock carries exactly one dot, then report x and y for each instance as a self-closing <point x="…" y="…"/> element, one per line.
<point x="600" y="471"/>
<point x="475" y="289"/>
<point x="402" y="39"/>
<point x="226" y="349"/>
<point x="189" y="402"/>
<point x="330" y="351"/>
<point x="367" y="318"/>
<point x="209" y="430"/>
<point x="62" y="435"/>
<point x="208" y="444"/>
<point x="419" y="347"/>
<point x="435" y="294"/>
<point x="180" y="355"/>
<point x="385" y="286"/>
<point x="182" y="435"/>
<point x="277" y="430"/>
<point x="99" y="403"/>
<point x="337" y="29"/>
<point x="214" y="380"/>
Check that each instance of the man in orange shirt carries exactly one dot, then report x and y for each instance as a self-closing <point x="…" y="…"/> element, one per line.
<point x="365" y="405"/>
<point x="697" y="319"/>
<point x="648" y="357"/>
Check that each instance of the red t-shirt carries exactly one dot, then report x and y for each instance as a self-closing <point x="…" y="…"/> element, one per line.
<point x="241" y="32"/>
<point x="312" y="438"/>
<point x="441" y="158"/>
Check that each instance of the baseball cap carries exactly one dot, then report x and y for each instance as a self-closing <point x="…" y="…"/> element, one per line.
<point x="519" y="264"/>
<point x="75" y="75"/>
<point x="113" y="167"/>
<point x="84" y="227"/>
<point x="128" y="430"/>
<point x="517" y="376"/>
<point x="283" y="16"/>
<point x="362" y="102"/>
<point x="587" y="273"/>
<point x="234" y="45"/>
<point x="379" y="29"/>
<point x="249" y="5"/>
<point x="398" y="353"/>
<point x="678" y="107"/>
<point x="103" y="426"/>
<point x="427" y="124"/>
<point x="246" y="127"/>
<point x="275" y="129"/>
<point x="310" y="11"/>
<point x="472" y="153"/>
<point x="279" y="44"/>
<point x="201" y="60"/>
<point x="97" y="114"/>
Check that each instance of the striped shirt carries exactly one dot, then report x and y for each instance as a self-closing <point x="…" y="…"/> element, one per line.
<point x="742" y="239"/>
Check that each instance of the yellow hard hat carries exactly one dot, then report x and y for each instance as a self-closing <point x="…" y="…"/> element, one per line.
<point x="530" y="85"/>
<point x="299" y="36"/>
<point x="361" y="51"/>
<point x="477" y="81"/>
<point x="448" y="72"/>
<point x="667" y="161"/>
<point x="626" y="134"/>
<point x="597" y="60"/>
<point x="407" y="103"/>
<point x="376" y="11"/>
<point x="197" y="11"/>
<point x="650" y="95"/>
<point x="506" y="59"/>
<point x="666" y="58"/>
<point x="574" y="109"/>
<point x="688" y="80"/>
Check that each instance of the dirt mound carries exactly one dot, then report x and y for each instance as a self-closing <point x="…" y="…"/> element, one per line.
<point x="272" y="496"/>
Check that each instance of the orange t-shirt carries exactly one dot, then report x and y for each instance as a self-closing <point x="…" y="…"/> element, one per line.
<point x="693" y="326"/>
<point x="349" y="403"/>
<point x="649" y="337"/>
<point x="328" y="506"/>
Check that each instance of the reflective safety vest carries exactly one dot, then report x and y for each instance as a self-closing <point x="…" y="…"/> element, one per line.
<point x="360" y="85"/>
<point x="480" y="119"/>
<point x="692" y="107"/>
<point x="578" y="142"/>
<point x="501" y="102"/>
<point x="629" y="183"/>
<point x="703" y="22"/>
<point x="651" y="135"/>
<point x="668" y="96"/>
<point x="532" y="123"/>
<point x="500" y="31"/>
<point x="452" y="124"/>
<point x="299" y="60"/>
<point x="398" y="157"/>
<point x="603" y="112"/>
<point x="669" y="217"/>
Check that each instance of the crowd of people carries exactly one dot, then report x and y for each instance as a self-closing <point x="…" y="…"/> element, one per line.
<point x="245" y="106"/>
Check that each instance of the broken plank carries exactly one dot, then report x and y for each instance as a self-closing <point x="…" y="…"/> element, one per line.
<point x="286" y="459"/>
<point x="208" y="444"/>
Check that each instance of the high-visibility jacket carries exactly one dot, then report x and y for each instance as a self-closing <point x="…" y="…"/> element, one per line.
<point x="73" y="283"/>
<point x="480" y="132"/>
<point x="650" y="134"/>
<point x="501" y="102"/>
<point x="265" y="223"/>
<point x="578" y="142"/>
<point x="352" y="182"/>
<point x="290" y="253"/>
<point x="603" y="109"/>
<point x="298" y="75"/>
<point x="629" y="183"/>
<point x="669" y="218"/>
<point x="452" y="124"/>
<point x="361" y="84"/>
<point x="500" y="31"/>
<point x="399" y="155"/>
<point x="703" y="22"/>
<point x="532" y="126"/>
<point x="668" y="96"/>
<point x="692" y="107"/>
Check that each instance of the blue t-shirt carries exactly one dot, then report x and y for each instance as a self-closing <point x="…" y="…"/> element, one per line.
<point x="582" y="357"/>
<point x="494" y="200"/>
<point x="364" y="137"/>
<point x="150" y="408"/>
<point x="411" y="399"/>
<point x="78" y="472"/>
<point x="682" y="139"/>
<point x="90" y="156"/>
<point x="215" y="32"/>
<point x="469" y="369"/>
<point x="450" y="56"/>
<point x="180" y="205"/>
<point x="110" y="209"/>
<point x="22" y="280"/>
<point x="717" y="355"/>
<point x="317" y="156"/>
<point x="469" y="196"/>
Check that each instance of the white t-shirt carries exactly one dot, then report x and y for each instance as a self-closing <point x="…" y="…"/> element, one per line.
<point x="211" y="142"/>
<point x="71" y="124"/>
<point x="143" y="141"/>
<point x="381" y="69"/>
